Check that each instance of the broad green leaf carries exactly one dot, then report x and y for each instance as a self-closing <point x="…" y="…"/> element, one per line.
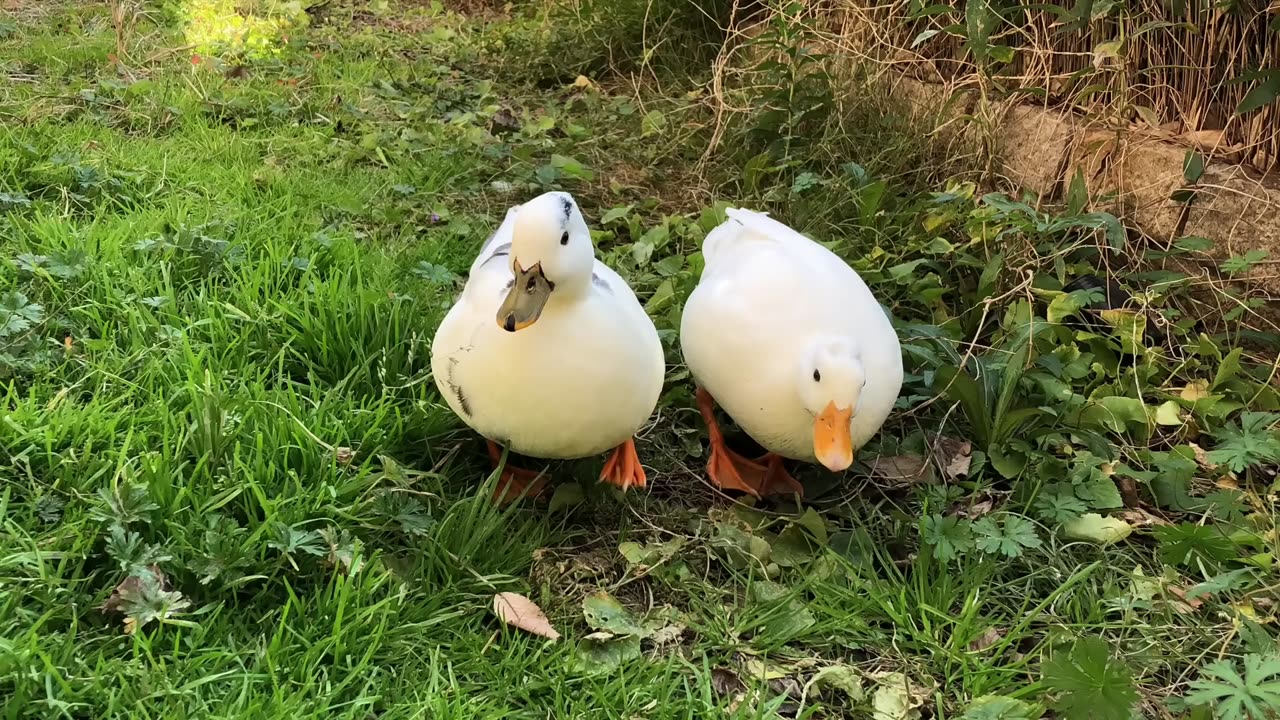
<point x="1189" y="543"/>
<point x="1192" y="167"/>
<point x="1130" y="327"/>
<point x="1009" y="537"/>
<point x="602" y="652"/>
<point x="784" y="616"/>
<point x="615" y="214"/>
<point x="1229" y="368"/>
<point x="1261" y="95"/>
<point x="604" y="613"/>
<point x="1063" y="306"/>
<point x="1169" y="413"/>
<point x="1089" y="683"/>
<point x="1117" y="414"/>
<point x="566" y="496"/>
<point x="950" y="537"/>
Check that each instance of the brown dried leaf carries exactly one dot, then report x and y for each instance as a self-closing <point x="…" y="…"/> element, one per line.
<point x="1202" y="457"/>
<point x="1138" y="517"/>
<point x="1183" y="604"/>
<point x="725" y="682"/>
<point x="988" y="638"/>
<point x="900" y="468"/>
<point x="125" y="592"/>
<point x="954" y="456"/>
<point x="667" y="634"/>
<point x="977" y="510"/>
<point x="519" y="611"/>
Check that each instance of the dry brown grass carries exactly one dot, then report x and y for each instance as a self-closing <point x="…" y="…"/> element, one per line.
<point x="1175" y="73"/>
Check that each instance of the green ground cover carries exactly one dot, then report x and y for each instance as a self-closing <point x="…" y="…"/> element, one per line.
<point x="230" y="489"/>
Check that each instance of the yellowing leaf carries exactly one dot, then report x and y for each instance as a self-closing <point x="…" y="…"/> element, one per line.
<point x="1169" y="413"/>
<point x="1195" y="390"/>
<point x="842" y="678"/>
<point x="1097" y="529"/>
<point x="895" y="698"/>
<point x="519" y="611"/>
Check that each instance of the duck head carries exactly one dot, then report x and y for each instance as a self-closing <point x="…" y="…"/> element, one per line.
<point x="831" y="378"/>
<point x="551" y="255"/>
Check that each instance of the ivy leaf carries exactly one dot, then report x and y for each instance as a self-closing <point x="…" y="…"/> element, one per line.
<point x="1089" y="683"/>
<point x="1009" y="538"/>
<point x="950" y="537"/>
<point x="1236" y="696"/>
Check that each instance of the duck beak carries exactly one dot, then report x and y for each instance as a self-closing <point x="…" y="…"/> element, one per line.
<point x="832" y="439"/>
<point x="525" y="300"/>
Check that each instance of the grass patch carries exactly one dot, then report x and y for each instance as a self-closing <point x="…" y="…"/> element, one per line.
<point x="231" y="490"/>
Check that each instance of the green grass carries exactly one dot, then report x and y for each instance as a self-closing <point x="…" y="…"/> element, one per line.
<point x="218" y="298"/>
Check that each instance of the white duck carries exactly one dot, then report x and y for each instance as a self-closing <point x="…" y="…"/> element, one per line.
<point x="786" y="337"/>
<point x="547" y="350"/>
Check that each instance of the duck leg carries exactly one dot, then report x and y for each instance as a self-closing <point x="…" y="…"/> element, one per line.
<point x="514" y="481"/>
<point x="726" y="468"/>
<point x="777" y="481"/>
<point x="623" y="467"/>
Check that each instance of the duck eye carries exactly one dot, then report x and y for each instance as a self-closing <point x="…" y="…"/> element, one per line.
<point x="564" y="239"/>
<point x="817" y="376"/>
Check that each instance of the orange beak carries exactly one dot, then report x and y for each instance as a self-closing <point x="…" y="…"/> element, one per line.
<point x="832" y="440"/>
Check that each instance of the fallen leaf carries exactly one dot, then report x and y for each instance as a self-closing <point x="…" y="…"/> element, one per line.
<point x="989" y="637"/>
<point x="725" y="682"/>
<point x="1097" y="529"/>
<point x="505" y="119"/>
<point x="895" y="698"/>
<point x="344" y="455"/>
<point x="1138" y="517"/>
<point x="977" y="510"/>
<point x="519" y="611"/>
<point x="144" y="596"/>
<point x="566" y="496"/>
<point x="760" y="670"/>
<point x="1188" y="604"/>
<point x="900" y="468"/>
<point x="839" y="677"/>
<point x="1195" y="390"/>
<point x="955" y="456"/>
<point x="603" y="612"/>
<point x="1202" y="457"/>
<point x="602" y="652"/>
<point x="667" y="634"/>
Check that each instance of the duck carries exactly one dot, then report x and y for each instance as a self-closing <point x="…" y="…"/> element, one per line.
<point x="547" y="351"/>
<point x="787" y="339"/>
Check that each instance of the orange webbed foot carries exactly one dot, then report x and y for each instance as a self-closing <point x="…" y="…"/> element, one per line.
<point x="777" y="481"/>
<point x="623" y="467"/>
<point x="514" y="482"/>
